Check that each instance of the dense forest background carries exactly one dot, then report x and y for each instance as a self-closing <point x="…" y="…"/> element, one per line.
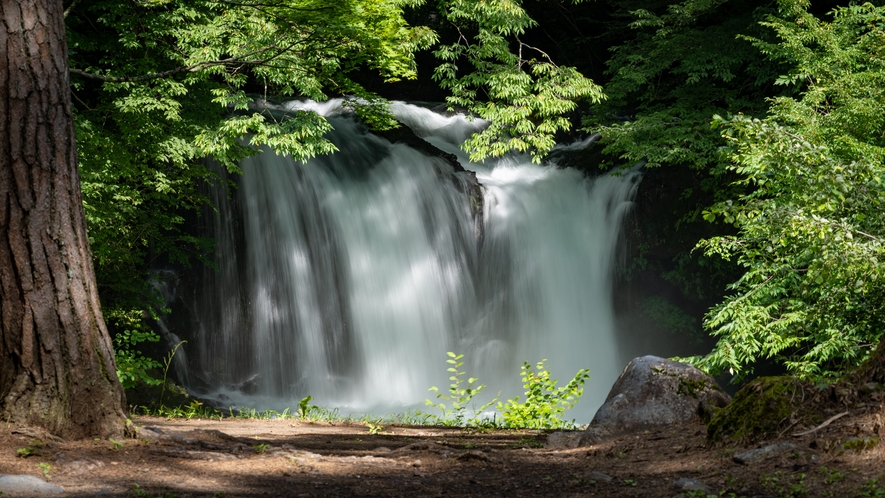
<point x="758" y="228"/>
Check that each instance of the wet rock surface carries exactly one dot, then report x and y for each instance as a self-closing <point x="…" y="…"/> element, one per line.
<point x="465" y="180"/>
<point x="764" y="453"/>
<point x="688" y="484"/>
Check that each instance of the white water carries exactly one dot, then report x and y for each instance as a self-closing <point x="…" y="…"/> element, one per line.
<point x="357" y="272"/>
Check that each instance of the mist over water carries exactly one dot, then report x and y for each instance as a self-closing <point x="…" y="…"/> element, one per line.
<point x="349" y="277"/>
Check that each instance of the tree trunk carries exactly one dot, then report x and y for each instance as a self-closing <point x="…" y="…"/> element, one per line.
<point x="57" y="367"/>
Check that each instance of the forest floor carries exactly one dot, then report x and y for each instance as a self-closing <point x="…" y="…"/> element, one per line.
<point x="284" y="457"/>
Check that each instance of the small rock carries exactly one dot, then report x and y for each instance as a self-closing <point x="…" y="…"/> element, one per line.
<point x="596" y="476"/>
<point x="76" y="465"/>
<point x="415" y="447"/>
<point x="150" y="433"/>
<point x="193" y="455"/>
<point x="25" y="485"/>
<point x="473" y="455"/>
<point x="763" y="453"/>
<point x="382" y="449"/>
<point x="688" y="484"/>
<point x="416" y="463"/>
<point x="570" y="440"/>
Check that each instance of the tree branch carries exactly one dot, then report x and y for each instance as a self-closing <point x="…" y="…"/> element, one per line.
<point x="184" y="69"/>
<point x="260" y="4"/>
<point x="70" y="8"/>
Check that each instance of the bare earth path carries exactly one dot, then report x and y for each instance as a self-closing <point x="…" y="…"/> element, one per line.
<point x="236" y="457"/>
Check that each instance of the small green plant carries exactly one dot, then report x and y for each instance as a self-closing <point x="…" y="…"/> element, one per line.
<point x="45" y="467"/>
<point x="374" y="428"/>
<point x="132" y="365"/>
<point x="783" y="485"/>
<point x="117" y="444"/>
<point x="630" y="482"/>
<point x="305" y="408"/>
<point x="260" y="448"/>
<point x="460" y="398"/>
<point x="195" y="409"/>
<point x="832" y="476"/>
<point x="167" y="362"/>
<point x="32" y="449"/>
<point x="544" y="402"/>
<point x="871" y="489"/>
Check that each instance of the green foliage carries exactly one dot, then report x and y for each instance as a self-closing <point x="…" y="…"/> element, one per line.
<point x="460" y="410"/>
<point x="784" y="485"/>
<point x="522" y="93"/>
<point x="132" y="366"/>
<point x="832" y="476"/>
<point x="374" y="428"/>
<point x="542" y="409"/>
<point x="680" y="64"/>
<point x="31" y="449"/>
<point x="45" y="468"/>
<point x="810" y="230"/>
<point x="871" y="489"/>
<point x="544" y="402"/>
<point x="673" y="65"/>
<point x="669" y="317"/>
<point x="305" y="408"/>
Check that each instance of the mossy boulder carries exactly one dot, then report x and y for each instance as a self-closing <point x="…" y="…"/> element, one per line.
<point x="655" y="392"/>
<point x="765" y="407"/>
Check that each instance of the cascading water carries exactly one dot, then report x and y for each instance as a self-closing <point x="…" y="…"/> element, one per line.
<point x="350" y="276"/>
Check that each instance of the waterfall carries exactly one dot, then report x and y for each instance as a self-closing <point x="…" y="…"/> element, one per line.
<point x="348" y="277"/>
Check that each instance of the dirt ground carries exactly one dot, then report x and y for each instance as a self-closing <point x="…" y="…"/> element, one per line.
<point x="235" y="457"/>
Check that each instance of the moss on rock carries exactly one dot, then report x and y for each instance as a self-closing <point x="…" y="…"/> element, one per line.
<point x="765" y="407"/>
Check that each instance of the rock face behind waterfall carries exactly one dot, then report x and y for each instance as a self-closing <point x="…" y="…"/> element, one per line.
<point x="469" y="184"/>
<point x="651" y="393"/>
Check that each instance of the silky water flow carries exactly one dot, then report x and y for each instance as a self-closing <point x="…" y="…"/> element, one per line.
<point x="350" y="276"/>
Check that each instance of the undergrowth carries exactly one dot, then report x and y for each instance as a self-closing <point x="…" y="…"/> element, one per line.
<point x="542" y="408"/>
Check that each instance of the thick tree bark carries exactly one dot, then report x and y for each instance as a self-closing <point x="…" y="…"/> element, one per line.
<point x="57" y="366"/>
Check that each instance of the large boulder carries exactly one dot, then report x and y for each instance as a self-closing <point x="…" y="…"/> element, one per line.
<point x="654" y="392"/>
<point x="651" y="393"/>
